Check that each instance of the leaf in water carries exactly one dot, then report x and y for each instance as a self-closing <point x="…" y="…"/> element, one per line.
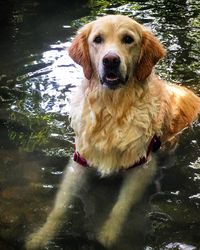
<point x="196" y="164"/>
<point x="179" y="246"/>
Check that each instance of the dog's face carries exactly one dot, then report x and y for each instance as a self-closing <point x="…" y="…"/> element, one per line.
<point x="115" y="49"/>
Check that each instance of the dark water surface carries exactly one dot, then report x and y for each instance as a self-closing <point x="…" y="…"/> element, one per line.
<point x="36" y="77"/>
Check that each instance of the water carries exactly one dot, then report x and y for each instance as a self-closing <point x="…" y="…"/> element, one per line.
<point x="36" y="77"/>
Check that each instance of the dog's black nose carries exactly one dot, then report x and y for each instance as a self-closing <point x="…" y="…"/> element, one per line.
<point x="111" y="60"/>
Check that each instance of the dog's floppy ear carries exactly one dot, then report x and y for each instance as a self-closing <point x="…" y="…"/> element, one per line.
<point x="151" y="52"/>
<point x="79" y="51"/>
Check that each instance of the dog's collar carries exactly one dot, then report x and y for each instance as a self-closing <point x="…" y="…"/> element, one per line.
<point x="154" y="145"/>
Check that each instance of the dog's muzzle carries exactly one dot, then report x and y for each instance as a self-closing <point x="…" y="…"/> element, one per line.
<point x="112" y="77"/>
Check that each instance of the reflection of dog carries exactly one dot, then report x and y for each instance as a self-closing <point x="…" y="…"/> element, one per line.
<point x="121" y="113"/>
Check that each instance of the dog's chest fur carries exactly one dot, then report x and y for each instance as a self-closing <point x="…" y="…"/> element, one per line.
<point x="114" y="128"/>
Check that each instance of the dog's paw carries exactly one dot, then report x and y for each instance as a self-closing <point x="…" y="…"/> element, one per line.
<point x="35" y="242"/>
<point x="108" y="236"/>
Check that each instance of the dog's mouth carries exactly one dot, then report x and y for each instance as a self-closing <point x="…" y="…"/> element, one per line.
<point x="113" y="80"/>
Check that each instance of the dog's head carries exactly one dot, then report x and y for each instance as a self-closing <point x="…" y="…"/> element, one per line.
<point x="115" y="49"/>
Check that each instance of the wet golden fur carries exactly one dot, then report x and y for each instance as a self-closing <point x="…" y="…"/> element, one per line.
<point x="114" y="127"/>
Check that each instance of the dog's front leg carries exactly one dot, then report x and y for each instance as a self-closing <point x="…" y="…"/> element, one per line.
<point x="73" y="179"/>
<point x="132" y="190"/>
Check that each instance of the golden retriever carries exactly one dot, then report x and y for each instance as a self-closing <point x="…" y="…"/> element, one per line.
<point x="121" y="114"/>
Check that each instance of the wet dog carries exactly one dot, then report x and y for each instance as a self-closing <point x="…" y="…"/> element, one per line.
<point x="121" y="114"/>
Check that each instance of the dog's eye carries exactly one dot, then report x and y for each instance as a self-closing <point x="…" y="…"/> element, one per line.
<point x="127" y="39"/>
<point x="98" y="39"/>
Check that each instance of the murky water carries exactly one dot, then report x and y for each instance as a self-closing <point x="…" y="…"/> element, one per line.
<point x="36" y="77"/>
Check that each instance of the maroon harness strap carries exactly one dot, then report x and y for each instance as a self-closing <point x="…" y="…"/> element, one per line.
<point x="153" y="147"/>
<point x="79" y="159"/>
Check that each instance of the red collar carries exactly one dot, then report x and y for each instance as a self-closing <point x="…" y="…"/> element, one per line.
<point x="154" y="145"/>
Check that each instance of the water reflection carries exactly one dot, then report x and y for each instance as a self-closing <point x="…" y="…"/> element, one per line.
<point x="36" y="141"/>
<point x="49" y="80"/>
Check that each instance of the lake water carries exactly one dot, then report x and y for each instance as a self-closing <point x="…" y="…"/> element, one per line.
<point x="36" y="77"/>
